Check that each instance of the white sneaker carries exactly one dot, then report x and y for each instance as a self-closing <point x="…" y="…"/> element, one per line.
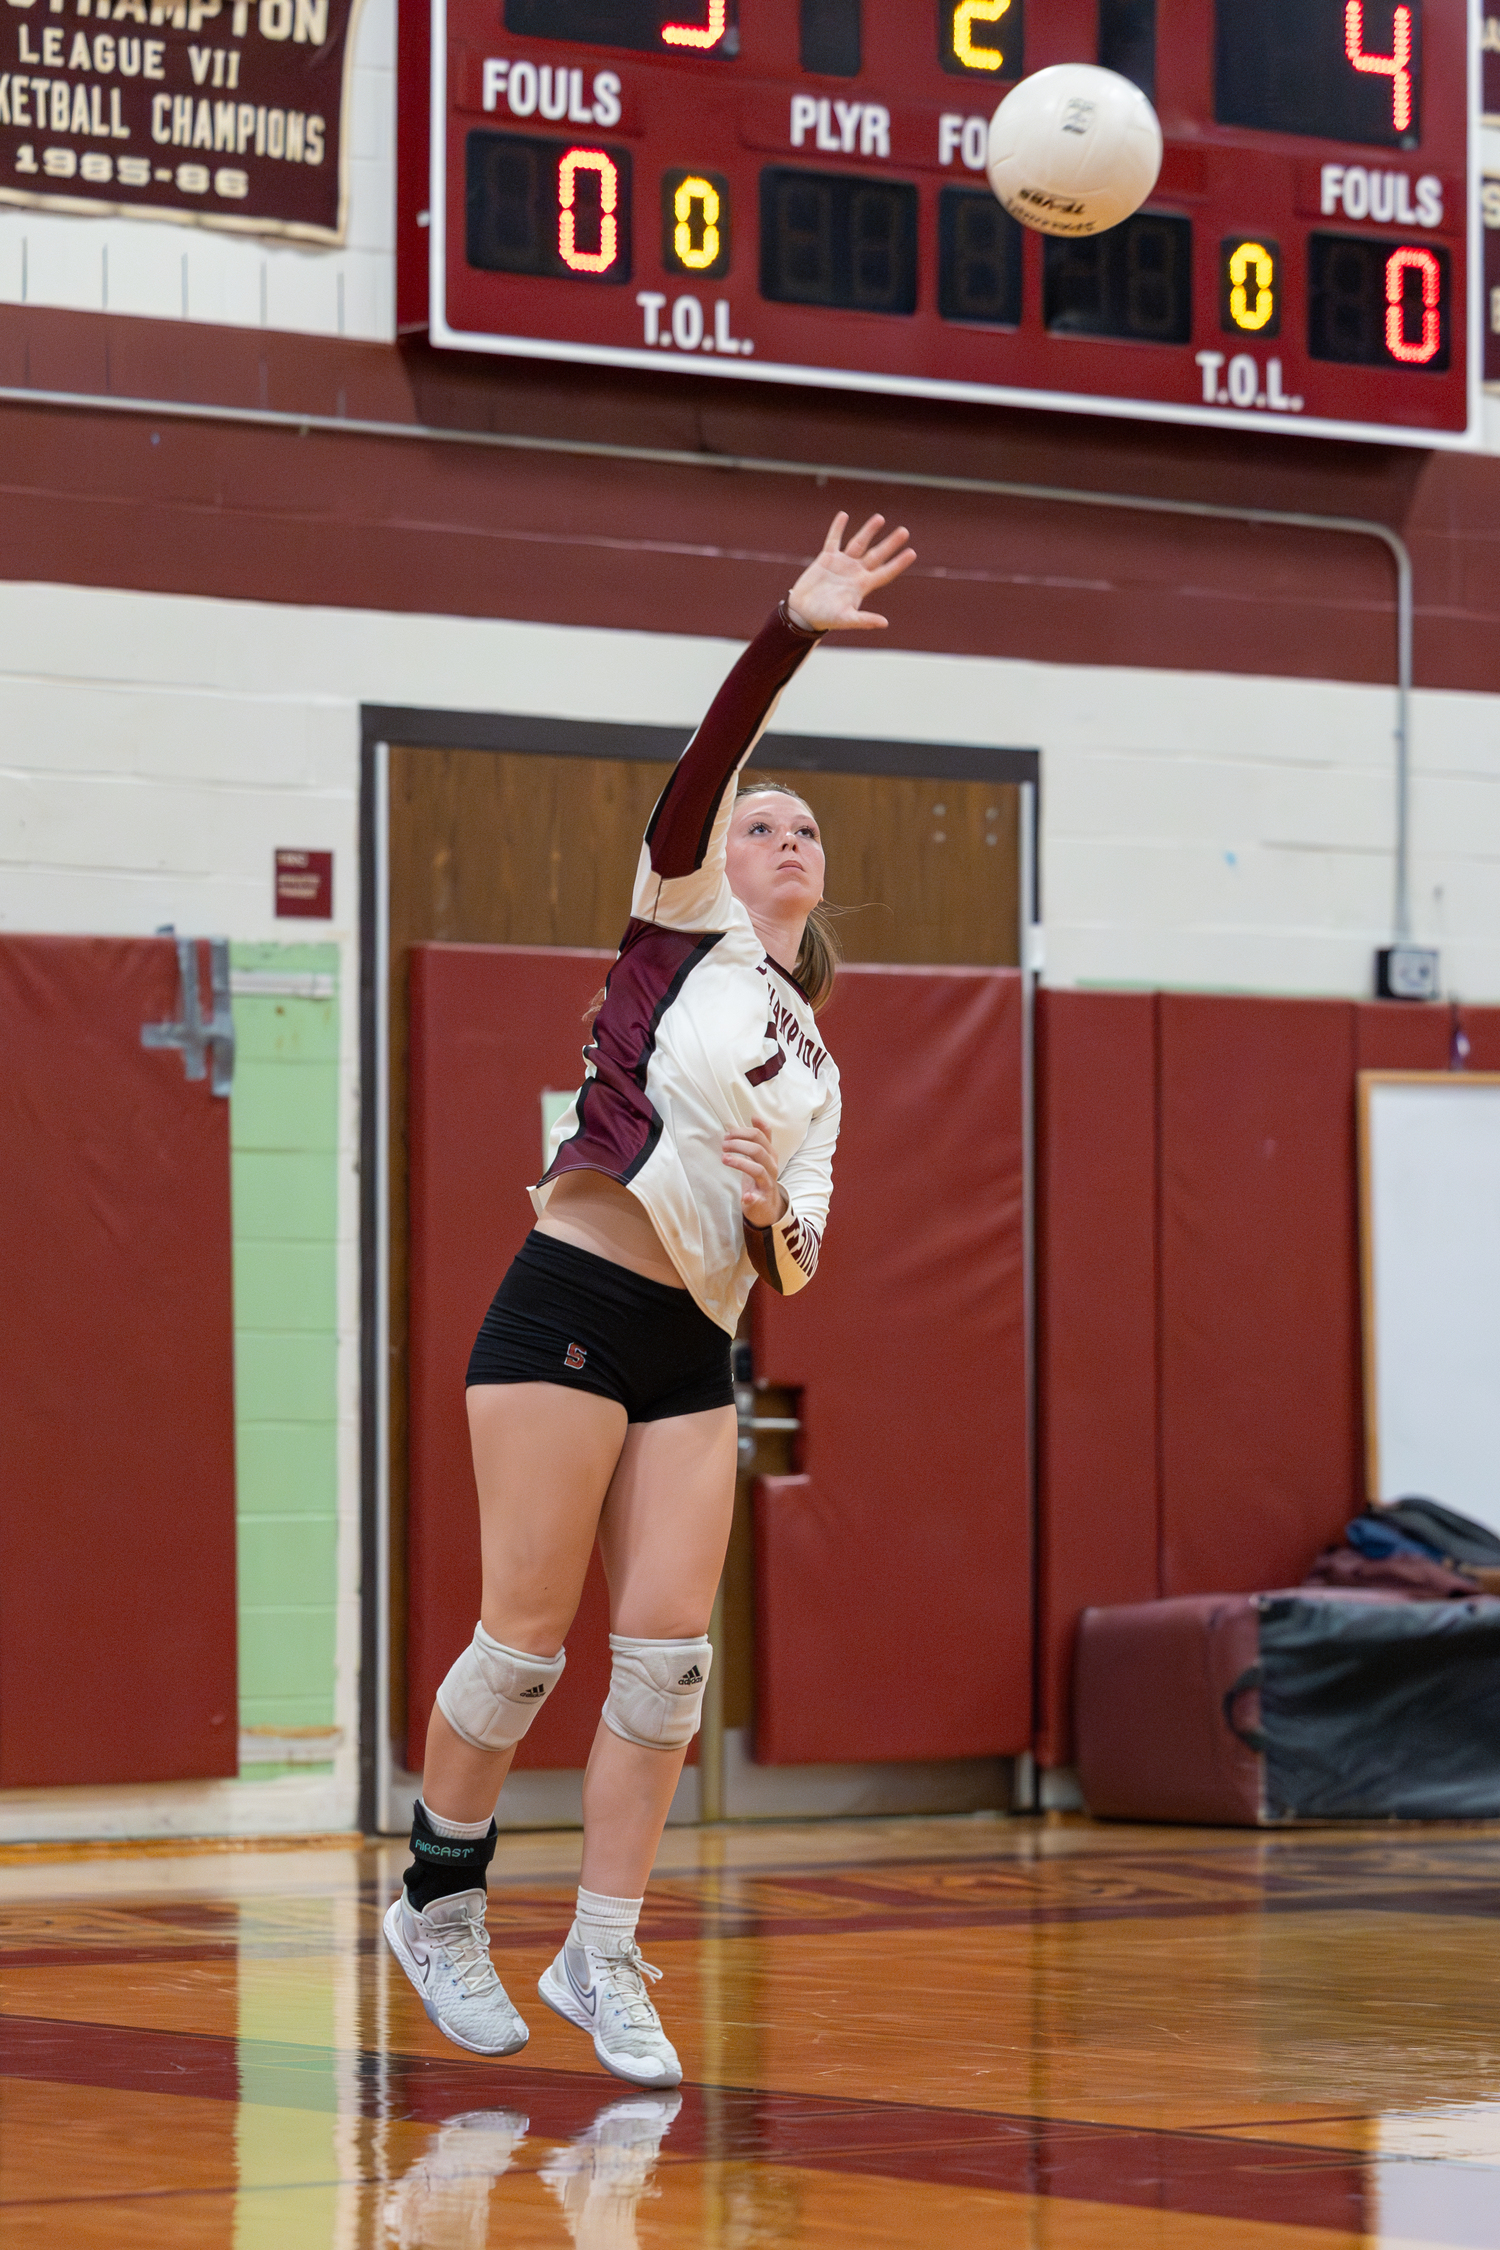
<point x="446" y="1953"/>
<point x="605" y="1995"/>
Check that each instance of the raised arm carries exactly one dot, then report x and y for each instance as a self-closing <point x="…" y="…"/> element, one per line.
<point x="680" y="880"/>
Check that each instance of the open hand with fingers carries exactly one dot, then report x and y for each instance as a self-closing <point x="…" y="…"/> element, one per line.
<point x="762" y="1198"/>
<point x="827" y="597"/>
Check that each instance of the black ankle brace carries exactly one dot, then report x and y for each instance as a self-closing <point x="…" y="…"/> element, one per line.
<point x="442" y="1865"/>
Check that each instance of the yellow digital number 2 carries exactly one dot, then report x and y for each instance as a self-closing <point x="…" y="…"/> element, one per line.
<point x="965" y="16"/>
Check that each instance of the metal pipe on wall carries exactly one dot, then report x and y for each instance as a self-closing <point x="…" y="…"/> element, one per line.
<point x="1354" y="527"/>
<point x="1023" y="1772"/>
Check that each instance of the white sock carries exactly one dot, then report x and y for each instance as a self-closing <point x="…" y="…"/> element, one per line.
<point x="608" y="1923"/>
<point x="456" y="1831"/>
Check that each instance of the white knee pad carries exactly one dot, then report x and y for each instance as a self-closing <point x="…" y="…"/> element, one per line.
<point x="493" y="1693"/>
<point x="656" y="1690"/>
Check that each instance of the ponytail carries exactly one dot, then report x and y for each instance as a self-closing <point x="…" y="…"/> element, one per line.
<point x="818" y="957"/>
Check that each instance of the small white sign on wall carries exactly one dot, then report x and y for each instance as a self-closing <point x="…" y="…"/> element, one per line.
<point x="1430" y="1234"/>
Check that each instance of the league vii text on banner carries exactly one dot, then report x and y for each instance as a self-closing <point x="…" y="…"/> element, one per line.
<point x="220" y="113"/>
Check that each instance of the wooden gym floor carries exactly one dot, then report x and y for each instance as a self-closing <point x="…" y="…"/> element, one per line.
<point x="936" y="2034"/>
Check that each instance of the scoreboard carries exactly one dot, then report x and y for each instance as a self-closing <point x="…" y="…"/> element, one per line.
<point x="794" y="190"/>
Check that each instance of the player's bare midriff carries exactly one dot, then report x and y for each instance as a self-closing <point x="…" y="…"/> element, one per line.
<point x="595" y="1213"/>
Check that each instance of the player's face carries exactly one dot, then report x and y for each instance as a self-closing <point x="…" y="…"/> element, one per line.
<point x="775" y="856"/>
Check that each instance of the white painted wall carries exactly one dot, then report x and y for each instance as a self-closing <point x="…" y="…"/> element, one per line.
<point x="1198" y="830"/>
<point x="164" y="271"/>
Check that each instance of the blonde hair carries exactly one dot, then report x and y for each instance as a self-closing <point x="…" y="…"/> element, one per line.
<point x="820" y="953"/>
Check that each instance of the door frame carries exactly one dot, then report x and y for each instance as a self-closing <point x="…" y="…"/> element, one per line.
<point x="430" y="728"/>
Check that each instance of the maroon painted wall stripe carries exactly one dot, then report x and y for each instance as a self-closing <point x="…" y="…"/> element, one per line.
<point x="268" y="514"/>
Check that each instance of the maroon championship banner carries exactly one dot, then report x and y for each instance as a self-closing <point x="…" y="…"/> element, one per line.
<point x="1489" y="59"/>
<point x="219" y="113"/>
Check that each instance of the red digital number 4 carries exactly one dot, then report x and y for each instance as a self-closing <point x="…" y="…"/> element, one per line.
<point x="1395" y="66"/>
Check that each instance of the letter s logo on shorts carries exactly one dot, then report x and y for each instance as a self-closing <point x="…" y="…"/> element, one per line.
<point x="574" y="1356"/>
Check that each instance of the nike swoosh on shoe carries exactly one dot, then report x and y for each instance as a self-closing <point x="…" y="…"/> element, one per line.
<point x="588" y="2001"/>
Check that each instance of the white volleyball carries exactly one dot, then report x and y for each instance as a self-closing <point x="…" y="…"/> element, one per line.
<point x="1074" y="149"/>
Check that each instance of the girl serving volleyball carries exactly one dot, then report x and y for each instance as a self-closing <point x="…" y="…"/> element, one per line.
<point x="697" y="1155"/>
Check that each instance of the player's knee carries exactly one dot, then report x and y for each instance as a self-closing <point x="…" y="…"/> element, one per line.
<point x="493" y="1693"/>
<point x="656" y="1690"/>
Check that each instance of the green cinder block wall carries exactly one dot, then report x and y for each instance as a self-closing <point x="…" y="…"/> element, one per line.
<point x="284" y="1180"/>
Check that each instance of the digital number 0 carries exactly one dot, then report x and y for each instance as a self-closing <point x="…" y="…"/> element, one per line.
<point x="965" y="16"/>
<point x="703" y="193"/>
<point x="1251" y="263"/>
<point x="1395" y="66"/>
<point x="704" y="34"/>
<point x="1397" y="266"/>
<point x="587" y="261"/>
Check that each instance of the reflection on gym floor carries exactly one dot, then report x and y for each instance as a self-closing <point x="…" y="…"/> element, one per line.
<point x="442" y="2200"/>
<point x="1041" y="2035"/>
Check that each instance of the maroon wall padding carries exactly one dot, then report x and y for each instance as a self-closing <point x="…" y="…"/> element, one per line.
<point x="1481" y="1027"/>
<point x="1258" y="1413"/>
<point x="1261" y="1444"/>
<point x="117" y="1534"/>
<point x="1401" y="1035"/>
<point x="492" y="1027"/>
<point x="893" y="1582"/>
<point x="1097" y="1527"/>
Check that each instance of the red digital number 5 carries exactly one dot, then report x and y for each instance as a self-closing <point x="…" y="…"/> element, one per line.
<point x="1395" y="66"/>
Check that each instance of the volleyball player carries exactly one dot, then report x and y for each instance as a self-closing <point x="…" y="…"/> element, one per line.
<point x="696" y="1156"/>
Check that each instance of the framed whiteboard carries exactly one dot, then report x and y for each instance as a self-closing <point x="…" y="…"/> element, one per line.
<point x="1429" y="1171"/>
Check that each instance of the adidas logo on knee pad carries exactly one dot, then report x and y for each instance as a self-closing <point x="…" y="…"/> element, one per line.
<point x="650" y="1702"/>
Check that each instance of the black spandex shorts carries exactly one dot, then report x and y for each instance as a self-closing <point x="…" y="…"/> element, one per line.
<point x="561" y="1315"/>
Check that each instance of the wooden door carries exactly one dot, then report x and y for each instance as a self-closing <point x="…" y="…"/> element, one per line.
<point x="505" y="847"/>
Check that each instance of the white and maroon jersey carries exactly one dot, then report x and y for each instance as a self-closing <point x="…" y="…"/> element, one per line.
<point x="701" y="1031"/>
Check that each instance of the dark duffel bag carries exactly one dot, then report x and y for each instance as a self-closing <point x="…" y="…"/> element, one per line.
<point x="1453" y="1538"/>
<point x="1258" y="1708"/>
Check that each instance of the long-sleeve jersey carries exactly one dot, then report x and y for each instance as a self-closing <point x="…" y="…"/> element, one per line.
<point x="700" y="1031"/>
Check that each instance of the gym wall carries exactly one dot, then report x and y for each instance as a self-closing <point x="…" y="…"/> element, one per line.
<point x="160" y="747"/>
<point x="1199" y="829"/>
<point x="193" y="611"/>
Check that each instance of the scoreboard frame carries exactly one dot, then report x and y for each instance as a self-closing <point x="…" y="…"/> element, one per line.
<point x="1196" y="370"/>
